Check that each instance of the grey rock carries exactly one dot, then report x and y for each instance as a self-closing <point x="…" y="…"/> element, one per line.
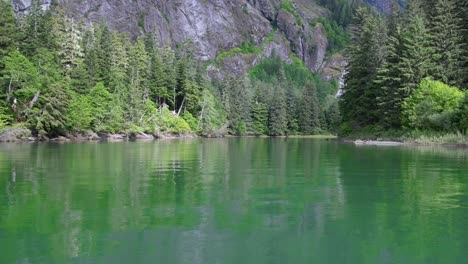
<point x="212" y="26"/>
<point x="15" y="134"/>
<point x="333" y="67"/>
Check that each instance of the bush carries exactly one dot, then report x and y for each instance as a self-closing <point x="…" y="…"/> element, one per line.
<point x="462" y="114"/>
<point x="167" y="122"/>
<point x="432" y="106"/>
<point x="191" y="121"/>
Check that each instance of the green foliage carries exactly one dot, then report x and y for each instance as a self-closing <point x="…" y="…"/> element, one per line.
<point x="450" y="48"/>
<point x="66" y="78"/>
<point x="365" y="56"/>
<point x="462" y="115"/>
<point x="337" y="36"/>
<point x="167" y="122"/>
<point x="277" y="116"/>
<point x="310" y="111"/>
<point x="8" y="31"/>
<point x="288" y="5"/>
<point x="341" y="10"/>
<point x="211" y="117"/>
<point x="237" y="99"/>
<point x="5" y="118"/>
<point x="49" y="116"/>
<point x="432" y="106"/>
<point x="259" y="118"/>
<point x="191" y="121"/>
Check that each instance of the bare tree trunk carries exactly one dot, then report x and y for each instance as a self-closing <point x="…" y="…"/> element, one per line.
<point x="34" y="100"/>
<point x="9" y="89"/>
<point x="181" y="106"/>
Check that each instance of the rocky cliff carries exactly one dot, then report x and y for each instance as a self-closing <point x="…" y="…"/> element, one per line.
<point x="217" y="28"/>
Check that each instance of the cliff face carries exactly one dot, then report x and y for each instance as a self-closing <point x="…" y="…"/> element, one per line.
<point x="214" y="27"/>
<point x="386" y="6"/>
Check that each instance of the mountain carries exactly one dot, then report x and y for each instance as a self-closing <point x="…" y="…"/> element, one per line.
<point x="216" y="28"/>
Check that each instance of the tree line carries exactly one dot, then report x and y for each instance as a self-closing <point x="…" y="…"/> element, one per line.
<point x="60" y="75"/>
<point x="408" y="70"/>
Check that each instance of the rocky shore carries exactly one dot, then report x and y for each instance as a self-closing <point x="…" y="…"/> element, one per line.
<point x="22" y="134"/>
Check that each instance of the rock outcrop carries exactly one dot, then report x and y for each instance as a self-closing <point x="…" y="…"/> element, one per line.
<point x="213" y="26"/>
<point x="15" y="134"/>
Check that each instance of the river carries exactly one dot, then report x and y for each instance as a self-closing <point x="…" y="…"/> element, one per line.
<point x="236" y="200"/>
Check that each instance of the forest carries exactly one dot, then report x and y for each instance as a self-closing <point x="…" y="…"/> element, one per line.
<point x="407" y="71"/>
<point x="61" y="76"/>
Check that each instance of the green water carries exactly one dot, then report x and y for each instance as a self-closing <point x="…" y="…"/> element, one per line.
<point x="232" y="201"/>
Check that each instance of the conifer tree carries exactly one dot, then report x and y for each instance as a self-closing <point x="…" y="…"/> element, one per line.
<point x="68" y="36"/>
<point x="277" y="117"/>
<point x="417" y="54"/>
<point x="119" y="65"/>
<point x="389" y="80"/>
<point x="292" y="102"/>
<point x="259" y="115"/>
<point x="448" y="43"/>
<point x="169" y="76"/>
<point x="138" y="71"/>
<point x="310" y="110"/>
<point x="102" y="48"/>
<point x="366" y="53"/>
<point x="8" y="30"/>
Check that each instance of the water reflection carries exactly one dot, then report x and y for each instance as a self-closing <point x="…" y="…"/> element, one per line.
<point x="205" y="201"/>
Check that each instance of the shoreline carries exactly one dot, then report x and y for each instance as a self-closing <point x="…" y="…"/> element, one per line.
<point x="23" y="135"/>
<point x="395" y="143"/>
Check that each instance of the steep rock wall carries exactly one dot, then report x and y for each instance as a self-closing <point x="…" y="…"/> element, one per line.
<point x="213" y="26"/>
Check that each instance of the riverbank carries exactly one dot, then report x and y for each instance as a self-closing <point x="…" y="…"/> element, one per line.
<point x="405" y="137"/>
<point x="23" y="134"/>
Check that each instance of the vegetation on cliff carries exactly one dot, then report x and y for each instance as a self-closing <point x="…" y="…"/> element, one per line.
<point x="60" y="76"/>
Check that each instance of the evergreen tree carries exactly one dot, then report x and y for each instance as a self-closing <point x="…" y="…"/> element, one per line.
<point x="8" y="30"/>
<point x="259" y="115"/>
<point x="237" y="102"/>
<point x="365" y="54"/>
<point x="102" y="48"/>
<point x="68" y="36"/>
<point x="310" y="110"/>
<point x="138" y="72"/>
<point x="211" y="117"/>
<point x="292" y="102"/>
<point x="49" y="116"/>
<point x="118" y="79"/>
<point x="169" y="76"/>
<point x="450" y="48"/>
<point x="277" y="117"/>
<point x="417" y="55"/>
<point x="333" y="116"/>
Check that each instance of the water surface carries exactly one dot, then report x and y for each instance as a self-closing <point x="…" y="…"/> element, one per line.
<point x="232" y="201"/>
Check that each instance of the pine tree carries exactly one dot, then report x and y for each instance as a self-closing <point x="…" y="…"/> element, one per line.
<point x="169" y="76"/>
<point x="49" y="116"/>
<point x="292" y="102"/>
<point x="389" y="80"/>
<point x="333" y="116"/>
<point x="417" y="55"/>
<point x="102" y="49"/>
<point x="259" y="115"/>
<point x="69" y="41"/>
<point x="237" y="101"/>
<point x="277" y="122"/>
<point x="8" y="30"/>
<point x="366" y="54"/>
<point x="138" y="72"/>
<point x="118" y="79"/>
<point x="447" y="32"/>
<point x="310" y="110"/>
